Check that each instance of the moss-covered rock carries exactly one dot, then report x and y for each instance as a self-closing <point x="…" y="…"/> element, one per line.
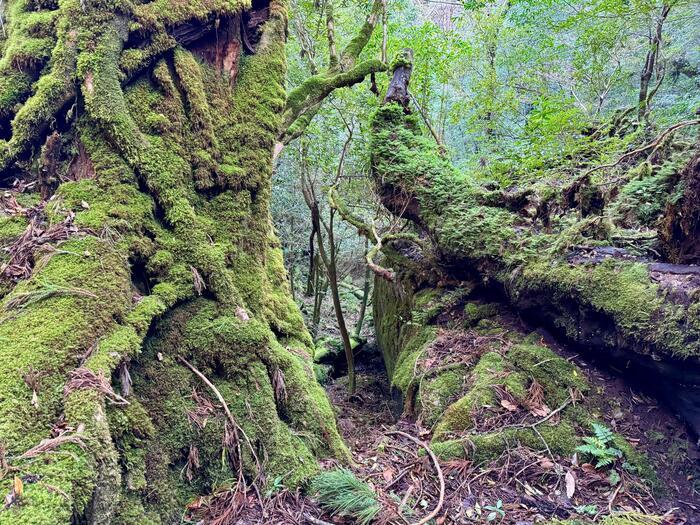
<point x="462" y="382"/>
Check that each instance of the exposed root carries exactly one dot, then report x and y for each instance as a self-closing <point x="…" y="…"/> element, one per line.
<point x="233" y="429"/>
<point x="438" y="469"/>
<point x="50" y="444"/>
<point x="315" y="521"/>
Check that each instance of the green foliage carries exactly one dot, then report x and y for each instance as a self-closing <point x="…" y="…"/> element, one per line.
<point x="495" y="511"/>
<point x="599" y="447"/>
<point x="342" y="493"/>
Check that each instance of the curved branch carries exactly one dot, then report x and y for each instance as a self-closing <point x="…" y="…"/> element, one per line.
<point x="369" y="231"/>
<point x="436" y="464"/>
<point x="348" y="216"/>
<point x="304" y="101"/>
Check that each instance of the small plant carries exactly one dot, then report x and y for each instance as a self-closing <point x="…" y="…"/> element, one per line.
<point x="588" y="510"/>
<point x="599" y="447"/>
<point x="340" y="492"/>
<point x="495" y="511"/>
<point x="276" y="486"/>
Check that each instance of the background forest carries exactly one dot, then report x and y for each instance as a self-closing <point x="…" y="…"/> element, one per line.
<point x="514" y="91"/>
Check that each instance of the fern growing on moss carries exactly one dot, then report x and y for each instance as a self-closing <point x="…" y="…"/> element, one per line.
<point x="340" y="492"/>
<point x="599" y="447"/>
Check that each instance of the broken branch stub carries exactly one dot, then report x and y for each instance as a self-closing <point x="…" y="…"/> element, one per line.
<point x="401" y="68"/>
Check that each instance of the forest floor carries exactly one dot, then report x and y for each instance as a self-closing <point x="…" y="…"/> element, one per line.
<point x="530" y="485"/>
<point x="523" y="486"/>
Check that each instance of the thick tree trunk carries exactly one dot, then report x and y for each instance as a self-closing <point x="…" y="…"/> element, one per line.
<point x="155" y="257"/>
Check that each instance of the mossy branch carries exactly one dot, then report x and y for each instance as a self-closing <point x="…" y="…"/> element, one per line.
<point x="653" y="144"/>
<point x="370" y="232"/>
<point x="352" y="51"/>
<point x="305" y="100"/>
<point x="338" y="204"/>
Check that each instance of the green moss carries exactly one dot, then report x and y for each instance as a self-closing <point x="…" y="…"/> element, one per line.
<point x="468" y="225"/>
<point x="11" y="228"/>
<point x="436" y="394"/>
<point x="475" y="312"/>
<point x="459" y="416"/>
<point x="557" y="376"/>
<point x="481" y="448"/>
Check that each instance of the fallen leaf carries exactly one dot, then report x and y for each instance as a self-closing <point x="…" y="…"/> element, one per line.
<point x="388" y="474"/>
<point x="540" y="411"/>
<point x="546" y="464"/>
<point x="510" y="407"/>
<point x="570" y="484"/>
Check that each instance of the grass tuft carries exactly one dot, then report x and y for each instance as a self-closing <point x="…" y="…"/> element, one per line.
<point x="340" y="492"/>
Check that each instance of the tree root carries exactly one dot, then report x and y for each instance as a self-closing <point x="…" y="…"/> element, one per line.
<point x="232" y="421"/>
<point x="438" y="469"/>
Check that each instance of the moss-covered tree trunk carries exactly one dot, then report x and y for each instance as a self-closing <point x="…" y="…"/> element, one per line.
<point x="584" y="260"/>
<point x="137" y="141"/>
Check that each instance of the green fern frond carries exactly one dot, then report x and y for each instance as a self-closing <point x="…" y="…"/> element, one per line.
<point x="603" y="433"/>
<point x="598" y="448"/>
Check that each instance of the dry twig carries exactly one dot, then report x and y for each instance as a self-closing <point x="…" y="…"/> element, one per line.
<point x="441" y="478"/>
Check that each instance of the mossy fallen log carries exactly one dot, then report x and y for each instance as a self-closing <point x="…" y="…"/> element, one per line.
<point x="623" y="305"/>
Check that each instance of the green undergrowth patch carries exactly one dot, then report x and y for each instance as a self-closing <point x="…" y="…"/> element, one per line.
<point x="622" y="518"/>
<point x="340" y="492"/>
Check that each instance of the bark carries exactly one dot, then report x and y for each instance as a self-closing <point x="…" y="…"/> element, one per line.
<point x="155" y="249"/>
<point x="631" y="307"/>
<point x="651" y="66"/>
<point x="365" y="297"/>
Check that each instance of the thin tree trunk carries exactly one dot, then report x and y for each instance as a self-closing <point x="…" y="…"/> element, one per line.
<point x="320" y="287"/>
<point x="650" y="66"/>
<point x="313" y="266"/>
<point x="330" y="261"/>
<point x="365" y="295"/>
<point x="329" y="258"/>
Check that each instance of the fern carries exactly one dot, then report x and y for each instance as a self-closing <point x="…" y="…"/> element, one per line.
<point x="340" y="492"/>
<point x="599" y="447"/>
<point x="602" y="433"/>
